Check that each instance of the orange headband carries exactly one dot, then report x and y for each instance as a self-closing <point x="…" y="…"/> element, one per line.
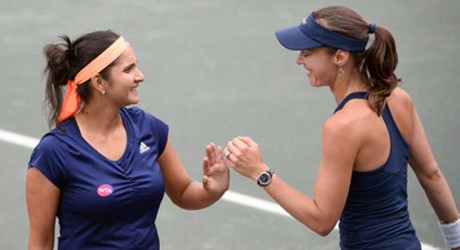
<point x="72" y="100"/>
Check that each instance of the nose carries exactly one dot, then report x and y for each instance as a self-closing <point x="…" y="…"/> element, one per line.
<point x="139" y="77"/>
<point x="299" y="59"/>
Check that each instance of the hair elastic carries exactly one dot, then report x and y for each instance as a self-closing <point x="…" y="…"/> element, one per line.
<point x="372" y="28"/>
<point x="72" y="100"/>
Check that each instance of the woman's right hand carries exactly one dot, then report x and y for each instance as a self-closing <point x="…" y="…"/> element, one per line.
<point x="244" y="156"/>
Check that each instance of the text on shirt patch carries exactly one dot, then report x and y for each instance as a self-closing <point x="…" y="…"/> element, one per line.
<point x="104" y="190"/>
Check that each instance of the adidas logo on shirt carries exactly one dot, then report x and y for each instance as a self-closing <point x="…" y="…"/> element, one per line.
<point x="143" y="148"/>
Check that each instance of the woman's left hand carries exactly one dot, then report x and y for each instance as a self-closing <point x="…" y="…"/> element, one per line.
<point x="216" y="176"/>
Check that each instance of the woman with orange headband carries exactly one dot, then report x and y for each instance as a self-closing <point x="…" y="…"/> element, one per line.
<point x="104" y="168"/>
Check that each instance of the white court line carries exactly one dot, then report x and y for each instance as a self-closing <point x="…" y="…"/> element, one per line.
<point x="18" y="139"/>
<point x="230" y="196"/>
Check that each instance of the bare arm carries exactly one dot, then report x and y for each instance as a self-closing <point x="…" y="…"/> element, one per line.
<point x="186" y="193"/>
<point x="429" y="174"/>
<point x="42" y="202"/>
<point x="321" y="212"/>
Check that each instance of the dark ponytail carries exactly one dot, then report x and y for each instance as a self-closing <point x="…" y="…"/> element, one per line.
<point x="57" y="70"/>
<point x="380" y="61"/>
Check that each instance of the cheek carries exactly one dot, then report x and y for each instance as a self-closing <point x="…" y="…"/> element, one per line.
<point x="323" y="68"/>
<point x="319" y="74"/>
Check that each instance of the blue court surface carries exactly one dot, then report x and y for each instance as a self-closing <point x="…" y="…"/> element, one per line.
<point x="214" y="70"/>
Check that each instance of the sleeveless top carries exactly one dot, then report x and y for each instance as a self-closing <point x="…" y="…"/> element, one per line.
<point x="376" y="215"/>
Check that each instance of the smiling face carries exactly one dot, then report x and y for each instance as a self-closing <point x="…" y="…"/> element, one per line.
<point x="319" y="65"/>
<point x="125" y="77"/>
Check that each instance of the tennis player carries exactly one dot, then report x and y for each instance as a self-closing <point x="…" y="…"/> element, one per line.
<point x="104" y="167"/>
<point x="367" y="144"/>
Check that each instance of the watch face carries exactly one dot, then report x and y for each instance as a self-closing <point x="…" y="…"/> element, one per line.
<point x="264" y="178"/>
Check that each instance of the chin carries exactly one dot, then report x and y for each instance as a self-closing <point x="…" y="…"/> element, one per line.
<point x="313" y="84"/>
<point x="133" y="101"/>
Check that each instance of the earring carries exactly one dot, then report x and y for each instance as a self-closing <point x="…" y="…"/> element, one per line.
<point x="341" y="71"/>
<point x="103" y="92"/>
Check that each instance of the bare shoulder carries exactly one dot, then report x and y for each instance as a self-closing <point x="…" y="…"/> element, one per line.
<point x="346" y="132"/>
<point x="351" y="121"/>
<point x="402" y="108"/>
<point x="336" y="127"/>
<point x="354" y="112"/>
<point x="400" y="97"/>
<point x="339" y="122"/>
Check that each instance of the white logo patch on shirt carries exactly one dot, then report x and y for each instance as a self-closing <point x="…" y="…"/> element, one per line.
<point x="143" y="148"/>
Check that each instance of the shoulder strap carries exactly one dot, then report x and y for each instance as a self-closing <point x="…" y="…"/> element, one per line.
<point x="354" y="95"/>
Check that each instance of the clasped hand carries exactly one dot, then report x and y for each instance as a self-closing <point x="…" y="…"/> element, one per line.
<point x="243" y="155"/>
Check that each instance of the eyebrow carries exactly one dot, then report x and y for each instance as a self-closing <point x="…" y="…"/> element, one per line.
<point x="129" y="66"/>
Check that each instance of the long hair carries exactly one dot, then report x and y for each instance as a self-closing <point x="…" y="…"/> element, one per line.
<point x="378" y="62"/>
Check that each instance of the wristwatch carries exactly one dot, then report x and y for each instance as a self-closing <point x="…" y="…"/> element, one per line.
<point x="265" y="177"/>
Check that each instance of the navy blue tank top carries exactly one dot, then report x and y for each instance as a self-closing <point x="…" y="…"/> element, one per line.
<point x="376" y="215"/>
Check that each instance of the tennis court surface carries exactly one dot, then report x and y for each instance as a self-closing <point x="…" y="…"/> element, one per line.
<point x="214" y="70"/>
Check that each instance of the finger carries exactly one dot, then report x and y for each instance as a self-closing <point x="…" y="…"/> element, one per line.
<point x="228" y="163"/>
<point x="232" y="140"/>
<point x="227" y="153"/>
<point x="212" y="154"/>
<point x="247" y="140"/>
<point x="208" y="154"/>
<point x="205" y="165"/>
<point x="230" y="143"/>
<point x="225" y="156"/>
<point x="232" y="146"/>
<point x="240" y="144"/>
<point x="218" y="154"/>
